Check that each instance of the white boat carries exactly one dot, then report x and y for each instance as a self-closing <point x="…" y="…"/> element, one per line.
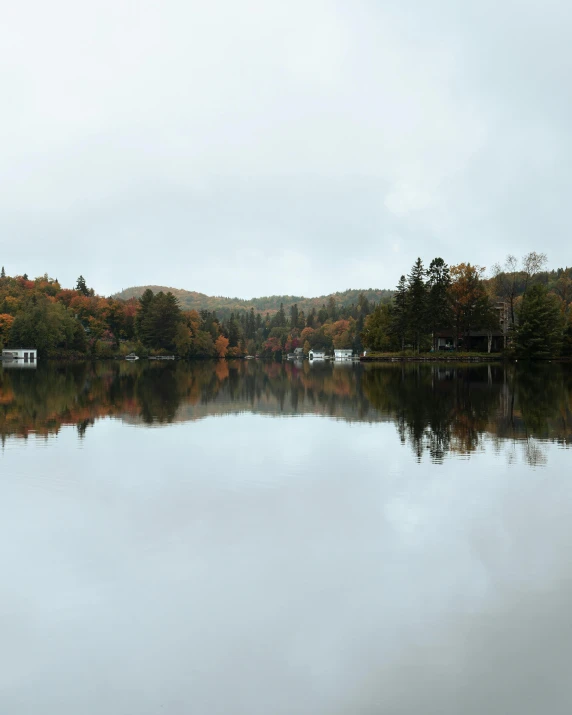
<point x="132" y="357"/>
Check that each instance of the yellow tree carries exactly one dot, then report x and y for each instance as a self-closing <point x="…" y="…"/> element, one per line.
<point x="6" y="321"/>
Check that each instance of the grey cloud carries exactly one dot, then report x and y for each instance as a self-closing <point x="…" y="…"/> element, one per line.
<point x="257" y="147"/>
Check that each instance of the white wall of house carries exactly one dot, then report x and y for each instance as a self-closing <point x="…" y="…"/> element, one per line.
<point x="343" y="354"/>
<point x="316" y="355"/>
<point x="25" y="354"/>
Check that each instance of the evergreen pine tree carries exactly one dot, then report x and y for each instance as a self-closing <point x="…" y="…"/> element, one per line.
<point x="322" y="314"/>
<point x="541" y="328"/>
<point x="280" y="318"/>
<point x="163" y="320"/>
<point x="3" y="273"/>
<point x="251" y="325"/>
<point x="439" y="312"/>
<point x="293" y="316"/>
<point x="81" y="286"/>
<point x="233" y="331"/>
<point x="400" y="313"/>
<point x="332" y="309"/>
<point x="143" y="325"/>
<point x="567" y="337"/>
<point x="364" y="307"/>
<point x="417" y="304"/>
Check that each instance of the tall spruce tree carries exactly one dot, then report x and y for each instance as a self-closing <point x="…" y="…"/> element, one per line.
<point x="540" y="331"/>
<point x="81" y="286"/>
<point x="165" y="316"/>
<point x="279" y="320"/>
<point x="294" y="316"/>
<point x="332" y="309"/>
<point x="233" y="331"/>
<point x="439" y="312"/>
<point x="251" y="325"/>
<point x="417" y="304"/>
<point x="143" y="324"/>
<point x="400" y="313"/>
<point x="3" y="273"/>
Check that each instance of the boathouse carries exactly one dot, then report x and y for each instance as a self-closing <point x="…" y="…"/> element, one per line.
<point x="24" y="354"/>
<point x="317" y="355"/>
<point x="298" y="354"/>
<point x="343" y="354"/>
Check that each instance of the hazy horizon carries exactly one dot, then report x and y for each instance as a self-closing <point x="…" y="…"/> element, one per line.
<point x="253" y="297"/>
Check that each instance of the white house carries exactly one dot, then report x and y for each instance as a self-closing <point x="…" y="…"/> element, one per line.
<point x="298" y="354"/>
<point x="25" y="354"/>
<point x="343" y="354"/>
<point x="317" y="355"/>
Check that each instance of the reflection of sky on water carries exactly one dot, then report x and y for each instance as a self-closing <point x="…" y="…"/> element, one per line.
<point x="309" y="565"/>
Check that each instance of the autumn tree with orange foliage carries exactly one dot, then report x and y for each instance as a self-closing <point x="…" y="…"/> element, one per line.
<point x="221" y="346"/>
<point x="470" y="302"/>
<point x="341" y="332"/>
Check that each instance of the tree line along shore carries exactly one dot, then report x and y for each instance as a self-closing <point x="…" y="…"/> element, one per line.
<point x="520" y="310"/>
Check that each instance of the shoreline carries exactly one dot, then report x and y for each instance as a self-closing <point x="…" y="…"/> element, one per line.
<point x="494" y="358"/>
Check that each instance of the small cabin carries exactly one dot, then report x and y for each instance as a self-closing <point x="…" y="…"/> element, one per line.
<point x="343" y="354"/>
<point x="317" y="355"/>
<point x="24" y="354"/>
<point x="298" y="354"/>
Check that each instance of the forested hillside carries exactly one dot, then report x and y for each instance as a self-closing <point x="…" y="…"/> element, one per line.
<point x="65" y="323"/>
<point x="191" y="300"/>
<point x="526" y="309"/>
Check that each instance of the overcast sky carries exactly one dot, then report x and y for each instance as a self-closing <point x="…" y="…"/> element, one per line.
<point x="250" y="147"/>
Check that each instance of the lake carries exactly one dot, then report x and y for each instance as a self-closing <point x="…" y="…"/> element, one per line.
<point x="255" y="538"/>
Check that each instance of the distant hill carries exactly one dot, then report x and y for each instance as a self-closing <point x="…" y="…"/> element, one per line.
<point x="191" y="300"/>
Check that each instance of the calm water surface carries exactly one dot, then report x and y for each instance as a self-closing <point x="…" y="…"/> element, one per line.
<point x="254" y="539"/>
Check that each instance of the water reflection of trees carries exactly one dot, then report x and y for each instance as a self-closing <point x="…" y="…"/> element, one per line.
<point x="452" y="409"/>
<point x="437" y="409"/>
